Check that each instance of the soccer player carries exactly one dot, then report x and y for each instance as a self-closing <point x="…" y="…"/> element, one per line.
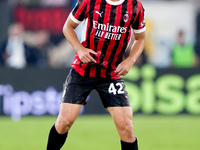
<point x="98" y="64"/>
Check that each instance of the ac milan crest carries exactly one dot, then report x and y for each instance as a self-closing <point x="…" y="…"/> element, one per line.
<point x="126" y="17"/>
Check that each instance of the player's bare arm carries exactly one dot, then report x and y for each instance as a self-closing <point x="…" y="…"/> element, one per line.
<point x="124" y="67"/>
<point x="83" y="53"/>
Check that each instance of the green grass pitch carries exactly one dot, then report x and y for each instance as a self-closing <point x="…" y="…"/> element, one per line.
<point x="99" y="133"/>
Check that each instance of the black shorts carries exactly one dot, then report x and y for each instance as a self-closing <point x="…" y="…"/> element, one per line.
<point x="111" y="91"/>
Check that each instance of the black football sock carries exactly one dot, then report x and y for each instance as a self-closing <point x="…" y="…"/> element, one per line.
<point x="56" y="140"/>
<point x="129" y="146"/>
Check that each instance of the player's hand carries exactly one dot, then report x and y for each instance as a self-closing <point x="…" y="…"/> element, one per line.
<point x="85" y="55"/>
<point x="124" y="67"/>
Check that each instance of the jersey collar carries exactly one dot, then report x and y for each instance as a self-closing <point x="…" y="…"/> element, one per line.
<point x="115" y="2"/>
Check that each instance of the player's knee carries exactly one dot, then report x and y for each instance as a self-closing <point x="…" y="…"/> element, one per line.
<point x="64" y="125"/>
<point x="127" y="130"/>
<point x="125" y="125"/>
<point x="128" y="127"/>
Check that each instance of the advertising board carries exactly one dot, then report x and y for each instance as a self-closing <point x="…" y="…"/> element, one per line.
<point x="151" y="91"/>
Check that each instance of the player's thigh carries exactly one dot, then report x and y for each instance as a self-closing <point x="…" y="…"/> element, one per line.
<point x="122" y="116"/>
<point x="68" y="112"/>
<point x="67" y="115"/>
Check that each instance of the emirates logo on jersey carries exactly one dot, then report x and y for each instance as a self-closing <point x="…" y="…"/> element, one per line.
<point x="108" y="31"/>
<point x="126" y="18"/>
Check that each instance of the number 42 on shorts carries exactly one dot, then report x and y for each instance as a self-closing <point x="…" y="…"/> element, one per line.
<point x="116" y="88"/>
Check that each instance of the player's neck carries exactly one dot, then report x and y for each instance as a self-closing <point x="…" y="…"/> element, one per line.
<point x="115" y="2"/>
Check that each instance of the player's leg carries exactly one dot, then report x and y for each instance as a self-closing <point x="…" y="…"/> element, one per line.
<point x="76" y="90"/>
<point x="115" y="98"/>
<point x="58" y="133"/>
<point x="122" y="117"/>
<point x="67" y="115"/>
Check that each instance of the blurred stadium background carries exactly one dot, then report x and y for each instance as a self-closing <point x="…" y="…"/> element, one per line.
<point x="163" y="86"/>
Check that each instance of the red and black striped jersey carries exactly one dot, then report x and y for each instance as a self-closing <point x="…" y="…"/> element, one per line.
<point x="107" y="31"/>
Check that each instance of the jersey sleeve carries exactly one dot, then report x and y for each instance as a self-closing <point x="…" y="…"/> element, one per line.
<point x="139" y="25"/>
<point x="78" y="14"/>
